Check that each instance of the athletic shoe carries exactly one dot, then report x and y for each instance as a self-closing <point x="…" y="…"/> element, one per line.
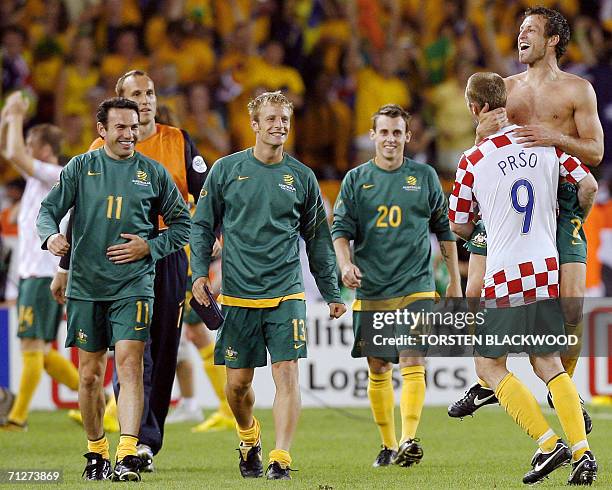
<point x="215" y="423"/>
<point x="250" y="460"/>
<point x="545" y="463"/>
<point x="110" y="422"/>
<point x="11" y="426"/>
<point x="584" y="471"/>
<point x="588" y="423"/>
<point x="385" y="457"/>
<point x="182" y="413"/>
<point x="97" y="468"/>
<point x="6" y="403"/>
<point x="477" y="396"/>
<point x="145" y="453"/>
<point x="128" y="469"/>
<point x="276" y="472"/>
<point x="409" y="453"/>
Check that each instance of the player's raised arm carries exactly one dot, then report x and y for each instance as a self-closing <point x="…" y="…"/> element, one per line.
<point x="315" y="231"/>
<point x="205" y="221"/>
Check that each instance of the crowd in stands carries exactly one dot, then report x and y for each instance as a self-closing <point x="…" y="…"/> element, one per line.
<point x="337" y="60"/>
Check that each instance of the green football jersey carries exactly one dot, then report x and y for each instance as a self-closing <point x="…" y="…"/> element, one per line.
<point x="111" y="197"/>
<point x="263" y="209"/>
<point x="389" y="214"/>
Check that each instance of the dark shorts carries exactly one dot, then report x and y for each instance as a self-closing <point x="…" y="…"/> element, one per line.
<point x="39" y="314"/>
<point x="98" y="325"/>
<point x="379" y="338"/>
<point x="247" y="333"/>
<point x="541" y="320"/>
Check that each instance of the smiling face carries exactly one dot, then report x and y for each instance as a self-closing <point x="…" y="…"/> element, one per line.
<point x="532" y="42"/>
<point x="390" y="137"/>
<point x="141" y="90"/>
<point x="121" y="133"/>
<point x="272" y="124"/>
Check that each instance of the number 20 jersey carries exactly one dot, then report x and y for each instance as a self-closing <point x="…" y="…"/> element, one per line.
<point x="515" y="189"/>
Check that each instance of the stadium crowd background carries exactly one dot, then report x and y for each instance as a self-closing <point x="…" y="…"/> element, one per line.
<point x="337" y="60"/>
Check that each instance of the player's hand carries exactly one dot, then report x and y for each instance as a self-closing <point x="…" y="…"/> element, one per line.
<point x="58" y="245"/>
<point x="58" y="287"/>
<point x="198" y="290"/>
<point x="134" y="249"/>
<point x="532" y="135"/>
<point x="216" y="251"/>
<point x="490" y="122"/>
<point x="453" y="290"/>
<point x="336" y="310"/>
<point x="17" y="104"/>
<point x="351" y="276"/>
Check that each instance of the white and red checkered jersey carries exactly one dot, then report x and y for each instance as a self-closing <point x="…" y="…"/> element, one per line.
<point x="515" y="189"/>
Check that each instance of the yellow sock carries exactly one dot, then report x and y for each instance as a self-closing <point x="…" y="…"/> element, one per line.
<point x="251" y="435"/>
<point x="126" y="447"/>
<point x="382" y="402"/>
<point x="482" y="383"/>
<point x="570" y="358"/>
<point x="280" y="456"/>
<point x="61" y="369"/>
<point x="216" y="376"/>
<point x="411" y="402"/>
<point x="33" y="363"/>
<point x="111" y="407"/>
<point x="569" y="412"/>
<point x="522" y="406"/>
<point x="100" y="446"/>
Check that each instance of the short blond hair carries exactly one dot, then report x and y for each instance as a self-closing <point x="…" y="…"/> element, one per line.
<point x="486" y="88"/>
<point x="274" y="98"/>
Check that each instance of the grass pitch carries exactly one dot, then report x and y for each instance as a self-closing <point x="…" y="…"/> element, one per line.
<point x="333" y="449"/>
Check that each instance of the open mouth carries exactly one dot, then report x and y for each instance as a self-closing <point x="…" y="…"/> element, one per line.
<point x="524" y="46"/>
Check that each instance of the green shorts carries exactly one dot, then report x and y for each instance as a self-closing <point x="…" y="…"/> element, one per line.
<point x="379" y="338"/>
<point x="534" y="329"/>
<point x="97" y="325"/>
<point x="571" y="240"/>
<point x="39" y="313"/>
<point x="190" y="317"/>
<point x="246" y="333"/>
<point x="478" y="241"/>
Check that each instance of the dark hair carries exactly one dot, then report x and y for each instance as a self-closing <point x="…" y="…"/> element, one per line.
<point x="556" y="25"/>
<point x="486" y="88"/>
<point x="114" y="103"/>
<point x="125" y="76"/>
<point x="392" y="111"/>
<point x="48" y="134"/>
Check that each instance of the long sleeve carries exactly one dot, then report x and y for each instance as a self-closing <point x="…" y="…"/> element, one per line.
<point x="174" y="211"/>
<point x="345" y="218"/>
<point x="438" y="222"/>
<point x="208" y="216"/>
<point x="315" y="231"/>
<point x="60" y="199"/>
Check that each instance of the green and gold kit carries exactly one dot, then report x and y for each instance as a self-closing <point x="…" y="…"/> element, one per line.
<point x="389" y="215"/>
<point x="111" y="197"/>
<point x="263" y="210"/>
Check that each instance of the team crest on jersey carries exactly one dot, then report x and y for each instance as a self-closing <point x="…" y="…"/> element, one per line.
<point x="230" y="354"/>
<point x="81" y="337"/>
<point x="287" y="183"/>
<point x="479" y="240"/>
<point x="142" y="178"/>
<point x="203" y="192"/>
<point x="411" y="184"/>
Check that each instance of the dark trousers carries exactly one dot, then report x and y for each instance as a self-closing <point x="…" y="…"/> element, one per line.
<point x="162" y="347"/>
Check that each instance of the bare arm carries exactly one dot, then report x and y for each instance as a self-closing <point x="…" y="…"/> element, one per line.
<point x="15" y="150"/>
<point x="587" y="146"/>
<point x="351" y="275"/>
<point x="462" y="230"/>
<point x="449" y="253"/>
<point x="587" y="190"/>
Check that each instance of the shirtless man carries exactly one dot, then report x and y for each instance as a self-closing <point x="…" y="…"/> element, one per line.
<point x="554" y="108"/>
